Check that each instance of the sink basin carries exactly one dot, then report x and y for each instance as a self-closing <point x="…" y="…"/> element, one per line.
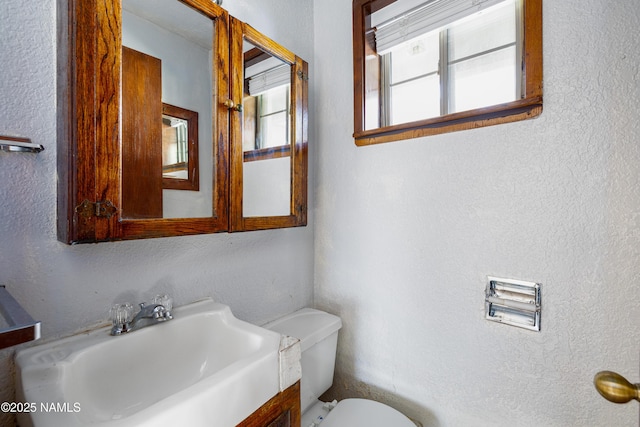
<point x="203" y="368"/>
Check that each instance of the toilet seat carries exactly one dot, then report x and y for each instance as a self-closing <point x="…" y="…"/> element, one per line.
<point x="365" y="413"/>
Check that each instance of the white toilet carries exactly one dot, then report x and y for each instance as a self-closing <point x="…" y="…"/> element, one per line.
<point x="318" y="335"/>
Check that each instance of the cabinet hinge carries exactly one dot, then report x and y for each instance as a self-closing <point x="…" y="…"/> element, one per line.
<point x="101" y="209"/>
<point x="303" y="76"/>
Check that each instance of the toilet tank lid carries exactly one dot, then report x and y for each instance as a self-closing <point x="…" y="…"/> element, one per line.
<point x="309" y="325"/>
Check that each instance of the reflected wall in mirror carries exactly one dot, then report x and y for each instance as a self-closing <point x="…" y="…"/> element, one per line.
<point x="180" y="168"/>
<point x="266" y="138"/>
<point x="181" y="39"/>
<point x="268" y="135"/>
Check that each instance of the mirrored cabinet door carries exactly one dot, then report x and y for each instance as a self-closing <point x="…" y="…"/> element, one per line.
<point x="189" y="39"/>
<point x="143" y="132"/>
<point x="167" y="87"/>
<point x="171" y="124"/>
<point x="268" y="133"/>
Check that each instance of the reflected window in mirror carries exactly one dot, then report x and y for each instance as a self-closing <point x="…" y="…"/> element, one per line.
<point x="267" y="104"/>
<point x="266" y="136"/>
<point x="266" y="124"/>
<point x="269" y="147"/>
<point x="272" y="117"/>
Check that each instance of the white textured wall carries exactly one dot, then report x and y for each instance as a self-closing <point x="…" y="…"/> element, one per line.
<point x="406" y="233"/>
<point x="261" y="275"/>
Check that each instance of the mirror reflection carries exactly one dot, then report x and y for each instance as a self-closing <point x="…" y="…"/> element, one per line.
<point x="167" y="95"/>
<point x="175" y="160"/>
<point x="266" y="137"/>
<point x="180" y="170"/>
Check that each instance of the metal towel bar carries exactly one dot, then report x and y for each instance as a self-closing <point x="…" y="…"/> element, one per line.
<point x="15" y="144"/>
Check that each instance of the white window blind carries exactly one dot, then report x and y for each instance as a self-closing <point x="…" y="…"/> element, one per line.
<point x="422" y="19"/>
<point x="269" y="79"/>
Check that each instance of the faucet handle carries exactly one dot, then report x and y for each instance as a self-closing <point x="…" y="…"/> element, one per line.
<point x="167" y="302"/>
<point x="121" y="316"/>
<point x="164" y="300"/>
<point x="121" y="313"/>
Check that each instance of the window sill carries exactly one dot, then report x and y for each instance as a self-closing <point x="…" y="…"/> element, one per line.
<point x="267" y="153"/>
<point x="504" y="113"/>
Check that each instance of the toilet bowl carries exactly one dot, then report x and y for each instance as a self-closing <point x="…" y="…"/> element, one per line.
<point x="318" y="335"/>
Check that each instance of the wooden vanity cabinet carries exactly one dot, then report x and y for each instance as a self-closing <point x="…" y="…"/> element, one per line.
<point x="283" y="410"/>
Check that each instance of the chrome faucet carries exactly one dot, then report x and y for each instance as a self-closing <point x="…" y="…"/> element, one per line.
<point x="124" y="321"/>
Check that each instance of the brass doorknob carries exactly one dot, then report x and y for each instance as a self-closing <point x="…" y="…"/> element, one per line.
<point x="615" y="388"/>
<point x="232" y="105"/>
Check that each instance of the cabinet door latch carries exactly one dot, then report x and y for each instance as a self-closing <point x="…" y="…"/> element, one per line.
<point x="101" y="209"/>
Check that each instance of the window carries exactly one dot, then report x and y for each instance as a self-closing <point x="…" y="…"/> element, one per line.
<point x="444" y="65"/>
<point x="267" y="112"/>
<point x="273" y="118"/>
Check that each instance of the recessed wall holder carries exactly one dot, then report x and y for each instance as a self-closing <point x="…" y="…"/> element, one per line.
<point x="20" y="145"/>
<point x="514" y="302"/>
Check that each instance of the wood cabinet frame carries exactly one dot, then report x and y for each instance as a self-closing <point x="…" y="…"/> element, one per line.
<point x="298" y="148"/>
<point x="88" y="135"/>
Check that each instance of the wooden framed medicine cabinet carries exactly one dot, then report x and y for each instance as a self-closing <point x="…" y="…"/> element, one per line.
<point x="110" y="105"/>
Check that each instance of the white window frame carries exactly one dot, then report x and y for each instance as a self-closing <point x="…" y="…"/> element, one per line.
<point x="444" y="65"/>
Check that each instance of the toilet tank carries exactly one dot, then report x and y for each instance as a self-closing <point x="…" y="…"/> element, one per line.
<point x="318" y="335"/>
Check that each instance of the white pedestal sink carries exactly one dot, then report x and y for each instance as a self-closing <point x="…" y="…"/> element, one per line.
<point x="203" y="368"/>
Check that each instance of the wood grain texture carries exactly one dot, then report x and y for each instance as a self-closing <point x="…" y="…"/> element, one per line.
<point x="141" y="135"/>
<point x="299" y="146"/>
<point x="283" y="410"/>
<point x="89" y="140"/>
